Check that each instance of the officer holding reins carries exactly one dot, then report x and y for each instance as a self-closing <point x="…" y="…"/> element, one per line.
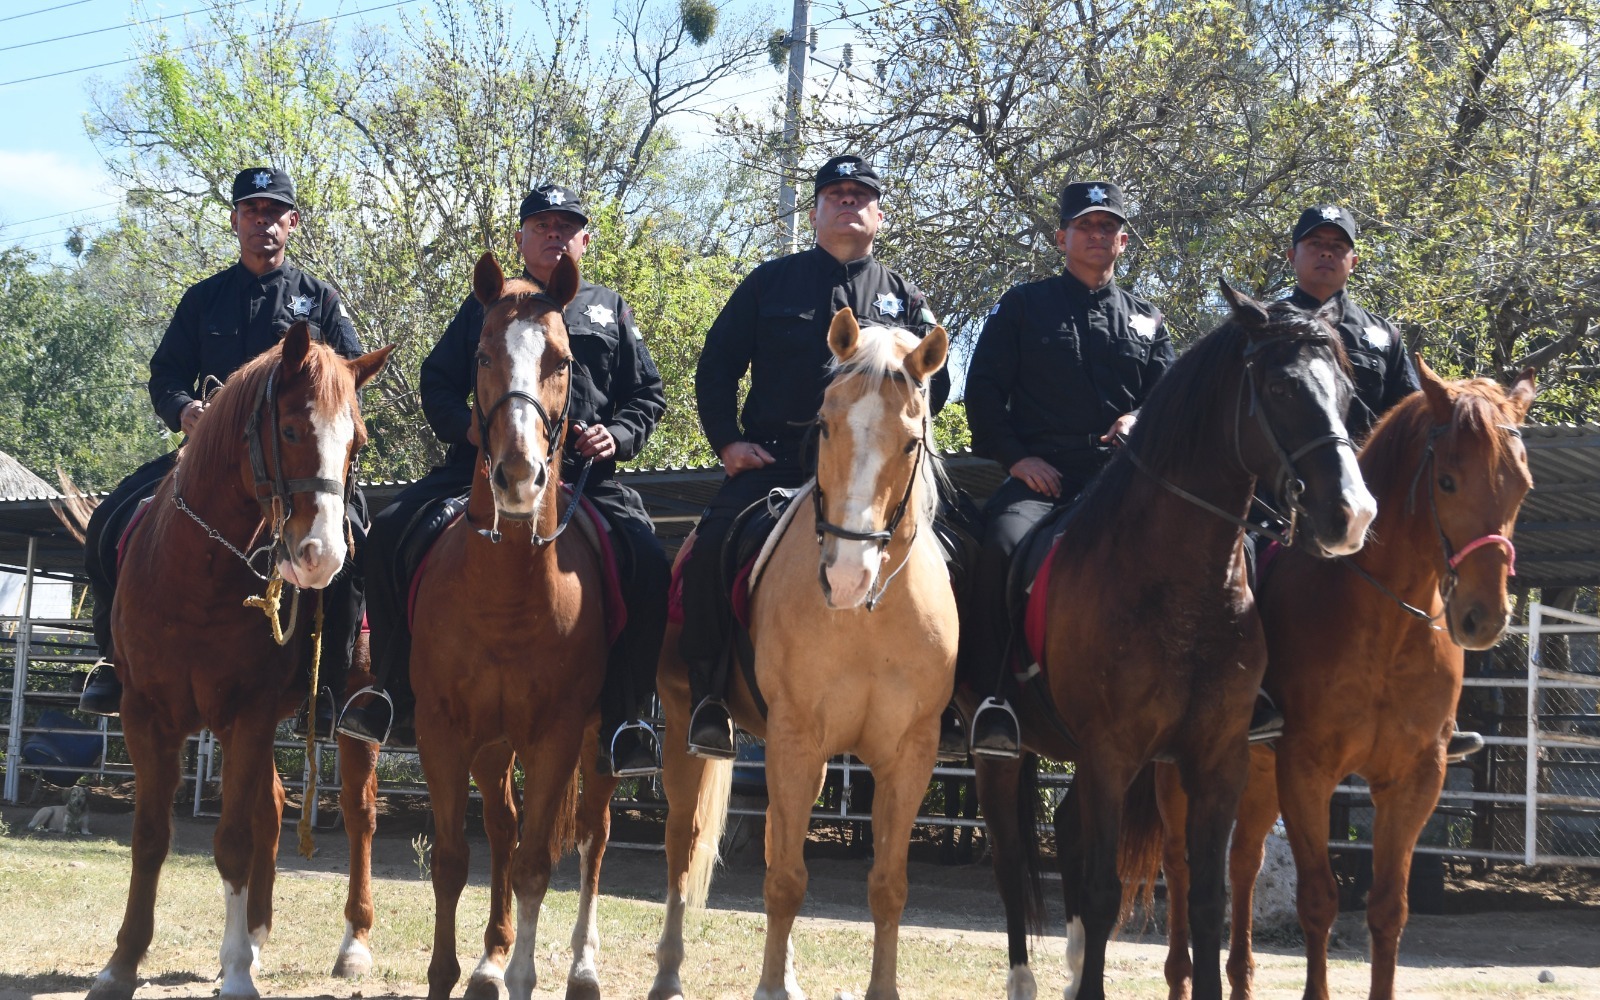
<point x="221" y="323"/>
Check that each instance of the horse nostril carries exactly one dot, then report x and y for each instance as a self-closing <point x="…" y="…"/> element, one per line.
<point x="500" y="476"/>
<point x="1470" y="621"/>
<point x="540" y="474"/>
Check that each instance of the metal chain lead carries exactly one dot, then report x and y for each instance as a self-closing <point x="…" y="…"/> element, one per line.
<point x="216" y="536"/>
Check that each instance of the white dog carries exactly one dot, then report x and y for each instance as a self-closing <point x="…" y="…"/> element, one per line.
<point x="70" y="818"/>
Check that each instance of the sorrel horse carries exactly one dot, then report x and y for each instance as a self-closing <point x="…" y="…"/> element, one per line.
<point x="510" y="651"/>
<point x="1152" y="647"/>
<point x="863" y="662"/>
<point x="1367" y="681"/>
<point x="269" y="463"/>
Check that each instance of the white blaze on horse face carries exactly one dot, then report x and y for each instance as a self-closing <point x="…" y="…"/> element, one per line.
<point x="317" y="556"/>
<point x="241" y="950"/>
<point x="521" y="495"/>
<point x="1360" y="506"/>
<point x="852" y="566"/>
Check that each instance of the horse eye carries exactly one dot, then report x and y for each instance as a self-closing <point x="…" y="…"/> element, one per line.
<point x="1447" y="483"/>
<point x="289" y="434"/>
<point x="483" y="360"/>
<point x="822" y="427"/>
<point x="911" y="446"/>
<point x="1280" y="389"/>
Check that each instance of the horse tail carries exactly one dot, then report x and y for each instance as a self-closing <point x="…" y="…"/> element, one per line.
<point x="73" y="509"/>
<point x="1027" y="828"/>
<point x="1140" y="852"/>
<point x="710" y="819"/>
<point x="564" y="832"/>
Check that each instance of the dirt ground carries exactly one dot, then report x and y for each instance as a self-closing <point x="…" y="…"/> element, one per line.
<point x="1500" y="931"/>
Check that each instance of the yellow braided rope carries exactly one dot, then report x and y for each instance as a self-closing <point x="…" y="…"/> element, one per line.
<point x="308" y="845"/>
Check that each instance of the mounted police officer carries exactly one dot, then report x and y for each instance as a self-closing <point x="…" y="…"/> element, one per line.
<point x="221" y="323"/>
<point x="775" y="327"/>
<point x="1057" y="377"/>
<point x="617" y="400"/>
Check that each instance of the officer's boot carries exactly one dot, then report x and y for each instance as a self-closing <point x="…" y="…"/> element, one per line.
<point x="952" y="736"/>
<point x="1266" y="721"/>
<point x="102" y="691"/>
<point x="371" y="712"/>
<point x="1462" y="745"/>
<point x="703" y="646"/>
<point x="341" y="625"/>
<point x="628" y="748"/>
<point x="711" y="724"/>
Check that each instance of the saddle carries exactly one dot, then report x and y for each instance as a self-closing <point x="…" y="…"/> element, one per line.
<point x="119" y="526"/>
<point x="1027" y="590"/>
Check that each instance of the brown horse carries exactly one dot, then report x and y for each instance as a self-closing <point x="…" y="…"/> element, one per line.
<point x="510" y="650"/>
<point x="268" y="465"/>
<point x="1152" y="648"/>
<point x="1367" y="681"/>
<point x="863" y="663"/>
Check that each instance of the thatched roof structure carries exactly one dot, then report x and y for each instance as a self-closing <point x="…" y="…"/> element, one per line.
<point x="17" y="483"/>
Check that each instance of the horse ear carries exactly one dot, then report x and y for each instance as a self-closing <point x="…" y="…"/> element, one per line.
<point x="368" y="365"/>
<point x="488" y="281"/>
<point x="1522" y="393"/>
<point x="564" y="281"/>
<point x="928" y="356"/>
<point x="1249" y="313"/>
<point x="1439" y="400"/>
<point x="844" y="335"/>
<point x="1332" y="311"/>
<point x="296" y="345"/>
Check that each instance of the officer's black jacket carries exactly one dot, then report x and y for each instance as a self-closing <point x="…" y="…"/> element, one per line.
<point x="614" y="381"/>
<point x="231" y="317"/>
<point x="775" y="326"/>
<point x="1055" y="365"/>
<point x="1380" y="364"/>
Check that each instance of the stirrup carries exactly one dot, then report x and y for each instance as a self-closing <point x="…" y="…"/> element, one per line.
<point x="1266" y="720"/>
<point x="350" y="705"/>
<point x="1461" y="746"/>
<point x="647" y="739"/>
<point x="952" y="737"/>
<point x="104" y="676"/>
<point x="707" y="750"/>
<point x="1013" y="734"/>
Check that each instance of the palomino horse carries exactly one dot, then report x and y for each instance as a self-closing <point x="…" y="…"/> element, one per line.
<point x="1367" y="682"/>
<point x="1152" y="647"/>
<point x="268" y="464"/>
<point x="510" y="651"/>
<point x="863" y="663"/>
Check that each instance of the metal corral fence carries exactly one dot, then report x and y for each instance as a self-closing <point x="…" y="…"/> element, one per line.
<point x="1534" y="696"/>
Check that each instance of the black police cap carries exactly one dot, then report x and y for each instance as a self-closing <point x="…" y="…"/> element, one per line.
<point x="1318" y="216"/>
<point x="1083" y="197"/>
<point x="264" y="182"/>
<point x="552" y="198"/>
<point x="847" y="168"/>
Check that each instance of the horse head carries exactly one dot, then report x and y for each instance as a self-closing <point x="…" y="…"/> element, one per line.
<point x="1477" y="474"/>
<point x="874" y="451"/>
<point x="523" y="386"/>
<point x="1290" y="428"/>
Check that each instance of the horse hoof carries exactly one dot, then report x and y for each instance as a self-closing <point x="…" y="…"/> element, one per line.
<point x="673" y="991"/>
<point x="583" y="989"/>
<point x="107" y="987"/>
<point x="486" y="988"/>
<point x="352" y="964"/>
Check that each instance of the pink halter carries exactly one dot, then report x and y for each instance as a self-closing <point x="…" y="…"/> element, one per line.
<point x="1478" y="543"/>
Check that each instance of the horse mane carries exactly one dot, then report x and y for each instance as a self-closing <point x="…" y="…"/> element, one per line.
<point x="880" y="354"/>
<point x="1392" y="452"/>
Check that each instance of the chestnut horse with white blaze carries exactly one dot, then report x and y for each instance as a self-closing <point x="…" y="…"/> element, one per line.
<point x="1366" y="677"/>
<point x="269" y="464"/>
<point x="510" y="652"/>
<point x="854" y="630"/>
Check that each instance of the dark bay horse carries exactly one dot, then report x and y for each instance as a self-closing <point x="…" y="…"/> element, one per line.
<point x="1152" y="646"/>
<point x="510" y="651"/>
<point x="267" y="466"/>
<point x="1367" y="680"/>
<point x="854" y="630"/>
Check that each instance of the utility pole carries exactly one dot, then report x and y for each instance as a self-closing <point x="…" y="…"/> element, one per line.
<point x="799" y="43"/>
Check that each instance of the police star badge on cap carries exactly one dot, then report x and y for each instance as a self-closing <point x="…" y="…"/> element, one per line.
<point x="552" y="198"/>
<point x="264" y="182"/>
<point x="1318" y="216"/>
<point x="1083" y="197"/>
<point x="847" y="168"/>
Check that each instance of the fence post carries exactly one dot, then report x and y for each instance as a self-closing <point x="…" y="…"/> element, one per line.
<point x="1530" y="823"/>
<point x="19" y="680"/>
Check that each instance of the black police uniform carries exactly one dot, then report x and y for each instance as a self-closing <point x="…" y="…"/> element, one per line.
<point x="220" y="323"/>
<point x="615" y="383"/>
<point x="1055" y="365"/>
<point x="1380" y="365"/>
<point x="775" y="326"/>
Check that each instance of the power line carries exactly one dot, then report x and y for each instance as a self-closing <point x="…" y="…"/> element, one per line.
<point x="46" y="218"/>
<point x="201" y="45"/>
<point x="44" y="10"/>
<point x="116" y="27"/>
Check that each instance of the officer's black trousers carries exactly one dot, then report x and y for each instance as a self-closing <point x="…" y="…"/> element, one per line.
<point x="707" y="613"/>
<point x="986" y="629"/>
<point x="342" y="601"/>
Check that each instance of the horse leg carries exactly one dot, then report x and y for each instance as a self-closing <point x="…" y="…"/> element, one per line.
<point x="594" y="831"/>
<point x="1213" y="802"/>
<point x="157" y="763"/>
<point x="492" y="770"/>
<point x="1103" y="790"/>
<point x="445" y="766"/>
<point x="795" y="773"/>
<point x="358" y="801"/>
<point x="1068" y="822"/>
<point x="549" y="799"/>
<point x="265" y="830"/>
<point x="1402" y="808"/>
<point x="1258" y="810"/>
<point x="1174" y="807"/>
<point x="248" y="779"/>
<point x="999" y="781"/>
<point x="1304" y="798"/>
<point x="899" y="787"/>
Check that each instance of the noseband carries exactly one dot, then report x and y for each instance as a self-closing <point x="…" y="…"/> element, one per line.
<point x="880" y="538"/>
<point x="1452" y="557"/>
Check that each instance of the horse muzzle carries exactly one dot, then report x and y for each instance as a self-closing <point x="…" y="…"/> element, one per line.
<point x="1339" y="525"/>
<point x="313" y="563"/>
<point x="848" y="571"/>
<point x="519" y="486"/>
<point x="1477" y="624"/>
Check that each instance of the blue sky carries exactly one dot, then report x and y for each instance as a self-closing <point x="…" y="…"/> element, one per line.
<point x="51" y="176"/>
